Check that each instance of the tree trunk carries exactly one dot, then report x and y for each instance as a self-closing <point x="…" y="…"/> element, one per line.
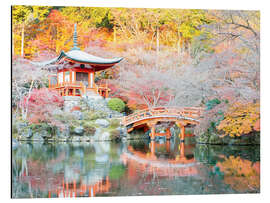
<point x="157" y="42"/>
<point x="22" y="43"/>
<point x="114" y="34"/>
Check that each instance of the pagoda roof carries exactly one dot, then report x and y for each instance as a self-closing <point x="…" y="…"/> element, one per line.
<point x="78" y="56"/>
<point x="75" y="55"/>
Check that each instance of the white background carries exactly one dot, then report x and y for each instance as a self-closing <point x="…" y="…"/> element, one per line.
<point x="5" y="81"/>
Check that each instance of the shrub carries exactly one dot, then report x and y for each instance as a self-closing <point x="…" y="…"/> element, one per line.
<point x="94" y="115"/>
<point x="116" y="104"/>
<point x="114" y="123"/>
<point x="212" y="103"/>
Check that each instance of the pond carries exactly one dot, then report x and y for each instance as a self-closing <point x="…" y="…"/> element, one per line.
<point x="51" y="170"/>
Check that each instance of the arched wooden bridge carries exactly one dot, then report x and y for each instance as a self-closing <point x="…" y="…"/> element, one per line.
<point x="174" y="115"/>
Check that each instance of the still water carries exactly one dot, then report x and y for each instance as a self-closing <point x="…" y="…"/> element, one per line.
<point x="133" y="168"/>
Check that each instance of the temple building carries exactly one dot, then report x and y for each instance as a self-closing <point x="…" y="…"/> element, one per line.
<point x="76" y="72"/>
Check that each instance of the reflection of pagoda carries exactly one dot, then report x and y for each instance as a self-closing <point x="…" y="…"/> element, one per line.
<point x="74" y="189"/>
<point x="76" y="72"/>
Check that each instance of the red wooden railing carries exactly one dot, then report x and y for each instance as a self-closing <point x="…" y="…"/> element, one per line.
<point x="186" y="112"/>
<point x="65" y="87"/>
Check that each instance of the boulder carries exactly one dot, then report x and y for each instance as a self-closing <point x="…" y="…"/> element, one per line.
<point x="15" y="144"/>
<point x="37" y="137"/>
<point x="78" y="115"/>
<point x="20" y="126"/>
<point x="79" y="130"/>
<point x="63" y="134"/>
<point x="45" y="134"/>
<point x="26" y="133"/>
<point x="105" y="136"/>
<point x="85" y="139"/>
<point x="76" y="139"/>
<point x="102" y="123"/>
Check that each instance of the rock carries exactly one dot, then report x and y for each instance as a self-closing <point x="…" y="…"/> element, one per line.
<point x="76" y="139"/>
<point x="20" y="126"/>
<point x="45" y="134"/>
<point x="37" y="137"/>
<point x="102" y="123"/>
<point x="79" y="130"/>
<point x="63" y="134"/>
<point x="123" y="131"/>
<point x="78" y="115"/>
<point x="98" y="132"/>
<point x="15" y="144"/>
<point x="27" y="133"/>
<point x="105" y="136"/>
<point x="85" y="139"/>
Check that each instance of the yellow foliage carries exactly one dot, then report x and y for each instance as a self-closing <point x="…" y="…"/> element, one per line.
<point x="241" y="174"/>
<point x="240" y="119"/>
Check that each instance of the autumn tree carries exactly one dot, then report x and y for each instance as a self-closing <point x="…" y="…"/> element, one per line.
<point x="41" y="105"/>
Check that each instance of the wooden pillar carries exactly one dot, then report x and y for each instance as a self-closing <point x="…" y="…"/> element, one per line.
<point x="182" y="131"/>
<point x="64" y="77"/>
<point x="106" y="93"/>
<point x="89" y="80"/>
<point x="70" y="76"/>
<point x="74" y="77"/>
<point x="168" y="145"/>
<point x="168" y="134"/>
<point x="152" y="148"/>
<point x="49" y="82"/>
<point x="74" y="188"/>
<point x="182" y="134"/>
<point x="182" y="149"/>
<point x="153" y="132"/>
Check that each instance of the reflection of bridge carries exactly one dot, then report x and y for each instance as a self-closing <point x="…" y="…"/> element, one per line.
<point x="174" y="115"/>
<point x="179" y="166"/>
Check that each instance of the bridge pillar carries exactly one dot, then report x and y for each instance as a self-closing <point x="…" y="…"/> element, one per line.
<point x="168" y="134"/>
<point x="182" y="134"/>
<point x="168" y="145"/>
<point x="182" y="149"/>
<point x="152" y="148"/>
<point x="152" y="126"/>
<point x="182" y="131"/>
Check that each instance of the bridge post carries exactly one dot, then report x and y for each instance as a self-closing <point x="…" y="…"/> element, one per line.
<point x="168" y="134"/>
<point x="182" y="134"/>
<point x="182" y="131"/>
<point x="168" y="145"/>
<point x="152" y="126"/>
<point x="152" y="148"/>
<point x="182" y="149"/>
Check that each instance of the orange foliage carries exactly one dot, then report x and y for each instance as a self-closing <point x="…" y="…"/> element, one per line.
<point x="241" y="174"/>
<point x="241" y="119"/>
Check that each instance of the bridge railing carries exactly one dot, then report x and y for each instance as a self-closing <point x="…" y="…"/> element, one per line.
<point x="189" y="112"/>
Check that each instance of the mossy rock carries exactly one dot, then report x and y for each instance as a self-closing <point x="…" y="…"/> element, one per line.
<point x="115" y="134"/>
<point x="94" y="115"/>
<point x="114" y="123"/>
<point x="89" y="128"/>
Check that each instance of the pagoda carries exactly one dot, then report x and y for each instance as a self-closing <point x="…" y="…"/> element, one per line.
<point x="76" y="72"/>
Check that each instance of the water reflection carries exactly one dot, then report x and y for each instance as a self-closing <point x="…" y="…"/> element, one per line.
<point x="133" y="168"/>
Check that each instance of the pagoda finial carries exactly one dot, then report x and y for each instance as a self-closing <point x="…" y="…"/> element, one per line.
<point x="75" y="43"/>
